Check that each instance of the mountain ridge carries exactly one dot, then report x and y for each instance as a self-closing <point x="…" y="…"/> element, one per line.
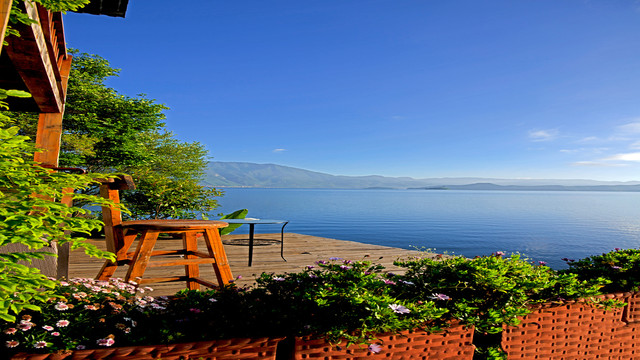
<point x="245" y="174"/>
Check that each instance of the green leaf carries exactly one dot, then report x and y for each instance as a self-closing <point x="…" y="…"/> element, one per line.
<point x="18" y="93"/>
<point x="238" y="214"/>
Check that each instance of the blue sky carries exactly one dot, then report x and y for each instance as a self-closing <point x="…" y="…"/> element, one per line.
<point x="429" y="88"/>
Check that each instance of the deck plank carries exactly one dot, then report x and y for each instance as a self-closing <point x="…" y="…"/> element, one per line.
<point x="299" y="250"/>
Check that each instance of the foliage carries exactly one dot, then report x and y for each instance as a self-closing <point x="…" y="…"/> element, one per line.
<point x="620" y="268"/>
<point x="168" y="184"/>
<point x="105" y="131"/>
<point x="238" y="214"/>
<point x="84" y="314"/>
<point x="341" y="300"/>
<point x="32" y="215"/>
<point x="489" y="291"/>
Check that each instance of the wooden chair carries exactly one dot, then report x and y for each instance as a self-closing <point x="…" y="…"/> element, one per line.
<point x="120" y="235"/>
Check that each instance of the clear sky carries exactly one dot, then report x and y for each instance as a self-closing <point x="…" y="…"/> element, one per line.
<point x="420" y="88"/>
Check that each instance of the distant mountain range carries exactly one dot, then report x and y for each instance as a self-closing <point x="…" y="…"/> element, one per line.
<point x="241" y="174"/>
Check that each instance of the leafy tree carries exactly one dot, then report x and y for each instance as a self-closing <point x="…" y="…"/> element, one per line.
<point x="105" y="131"/>
<point x="31" y="215"/>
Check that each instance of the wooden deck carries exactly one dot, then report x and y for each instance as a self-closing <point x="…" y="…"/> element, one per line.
<point x="299" y="250"/>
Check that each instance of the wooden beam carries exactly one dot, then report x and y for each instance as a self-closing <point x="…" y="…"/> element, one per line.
<point x="5" y="10"/>
<point x="36" y="65"/>
<point x="49" y="133"/>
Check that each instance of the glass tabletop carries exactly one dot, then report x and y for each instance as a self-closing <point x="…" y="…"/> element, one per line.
<point x="254" y="221"/>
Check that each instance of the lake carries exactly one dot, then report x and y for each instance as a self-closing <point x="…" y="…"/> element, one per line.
<point x="545" y="226"/>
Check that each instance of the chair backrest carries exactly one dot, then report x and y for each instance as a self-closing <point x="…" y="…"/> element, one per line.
<point x="112" y="216"/>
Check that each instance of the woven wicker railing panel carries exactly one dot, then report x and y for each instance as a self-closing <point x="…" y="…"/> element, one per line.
<point x="232" y="349"/>
<point x="632" y="313"/>
<point x="453" y="344"/>
<point x="575" y="331"/>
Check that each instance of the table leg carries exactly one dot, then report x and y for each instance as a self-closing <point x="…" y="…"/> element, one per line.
<point x="251" y="228"/>
<point x="282" y="241"/>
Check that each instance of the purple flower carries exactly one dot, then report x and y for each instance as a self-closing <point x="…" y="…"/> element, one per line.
<point x="617" y="249"/>
<point x="375" y="348"/>
<point x="81" y="347"/>
<point x="195" y="311"/>
<point x="616" y="267"/>
<point x="345" y="267"/>
<point x="309" y="267"/>
<point x="321" y="262"/>
<point x="213" y="300"/>
<point x="335" y="258"/>
<point x="542" y="262"/>
<point x="437" y="296"/>
<point x="399" y="309"/>
<point x="499" y="253"/>
<point x="313" y="276"/>
<point x="389" y="282"/>
<point x="347" y="262"/>
<point x="406" y="282"/>
<point x="278" y="278"/>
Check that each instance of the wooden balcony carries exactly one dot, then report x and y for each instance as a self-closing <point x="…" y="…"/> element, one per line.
<point x="299" y="250"/>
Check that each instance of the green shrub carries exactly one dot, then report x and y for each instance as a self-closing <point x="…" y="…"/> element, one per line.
<point x="489" y="291"/>
<point x="620" y="268"/>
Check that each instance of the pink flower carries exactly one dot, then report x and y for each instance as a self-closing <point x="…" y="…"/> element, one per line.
<point x="499" y="253"/>
<point x="11" y="343"/>
<point x="195" y="311"/>
<point x="389" y="282"/>
<point x="60" y="306"/>
<point x="55" y="333"/>
<point x="375" y="348"/>
<point x="62" y="323"/>
<point x="105" y="342"/>
<point x="90" y="307"/>
<point x="48" y="327"/>
<point x="25" y="325"/>
<point x="10" y="331"/>
<point x="40" y="344"/>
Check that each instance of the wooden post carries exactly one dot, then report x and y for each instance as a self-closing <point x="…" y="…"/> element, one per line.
<point x="48" y="139"/>
<point x="5" y="10"/>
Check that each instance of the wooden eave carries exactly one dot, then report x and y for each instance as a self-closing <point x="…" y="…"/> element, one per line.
<point x="105" y="7"/>
<point x="32" y="62"/>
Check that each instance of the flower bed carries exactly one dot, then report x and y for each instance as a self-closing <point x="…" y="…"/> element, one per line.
<point x="504" y="307"/>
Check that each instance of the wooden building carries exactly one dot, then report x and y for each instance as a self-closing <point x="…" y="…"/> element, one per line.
<point x="37" y="62"/>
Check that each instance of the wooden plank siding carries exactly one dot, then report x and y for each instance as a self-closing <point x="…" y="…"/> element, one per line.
<point x="299" y="250"/>
<point x="5" y="10"/>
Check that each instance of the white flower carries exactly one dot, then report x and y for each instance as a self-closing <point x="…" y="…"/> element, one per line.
<point x="399" y="309"/>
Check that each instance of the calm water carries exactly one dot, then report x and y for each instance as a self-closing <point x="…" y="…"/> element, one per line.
<point x="544" y="226"/>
